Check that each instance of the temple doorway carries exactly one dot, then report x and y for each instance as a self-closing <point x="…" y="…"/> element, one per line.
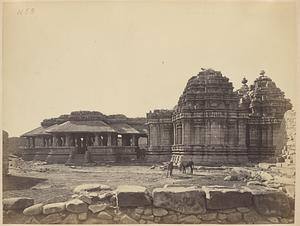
<point x="81" y="145"/>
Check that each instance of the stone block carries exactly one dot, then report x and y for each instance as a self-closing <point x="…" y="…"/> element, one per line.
<point x="169" y="219"/>
<point x="33" y="210"/>
<point x="271" y="202"/>
<point x="104" y="216"/>
<point x="71" y="219"/>
<point x="85" y="199"/>
<point x="82" y="216"/>
<point x="97" y="207"/>
<point x="234" y="217"/>
<point x="54" y="208"/>
<point x="148" y="217"/>
<point x="243" y="209"/>
<point x="208" y="216"/>
<point x="219" y="197"/>
<point x="191" y="219"/>
<point x="125" y="219"/>
<point x="132" y="196"/>
<point x="52" y="219"/>
<point x="32" y="220"/>
<point x="148" y="211"/>
<point x="252" y="217"/>
<point x="139" y="210"/>
<point x="160" y="212"/>
<point x="19" y="203"/>
<point x="184" y="200"/>
<point x="76" y="206"/>
<point x="273" y="220"/>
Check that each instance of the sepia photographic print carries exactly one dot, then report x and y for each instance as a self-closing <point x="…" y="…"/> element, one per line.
<point x="149" y="112"/>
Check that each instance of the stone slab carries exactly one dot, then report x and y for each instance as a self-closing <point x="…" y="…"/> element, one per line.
<point x="270" y="202"/>
<point x="221" y="197"/>
<point x="181" y="199"/>
<point x="132" y="196"/>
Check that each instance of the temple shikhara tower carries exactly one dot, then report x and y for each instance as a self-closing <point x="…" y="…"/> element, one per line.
<point x="212" y="123"/>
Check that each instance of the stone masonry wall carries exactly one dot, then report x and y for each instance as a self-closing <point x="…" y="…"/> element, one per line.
<point x="99" y="204"/>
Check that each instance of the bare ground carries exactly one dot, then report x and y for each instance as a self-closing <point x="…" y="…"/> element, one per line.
<point x="44" y="182"/>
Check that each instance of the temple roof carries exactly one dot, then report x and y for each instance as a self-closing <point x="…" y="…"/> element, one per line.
<point x="89" y="127"/>
<point x="124" y="128"/>
<point x="82" y="127"/>
<point x="207" y="85"/>
<point x="38" y="131"/>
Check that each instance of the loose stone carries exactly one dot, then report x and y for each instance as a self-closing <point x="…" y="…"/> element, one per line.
<point x="52" y="219"/>
<point x="273" y="220"/>
<point x="234" y="217"/>
<point x="190" y="220"/>
<point x="125" y="219"/>
<point x="209" y="216"/>
<point x="33" y="210"/>
<point x="243" y="209"/>
<point x="139" y="210"/>
<point x="76" y="206"/>
<point x="82" y="216"/>
<point x="97" y="208"/>
<point x="54" y="208"/>
<point x="104" y="216"/>
<point x="148" y="211"/>
<point x="222" y="216"/>
<point x="71" y="219"/>
<point x="159" y="212"/>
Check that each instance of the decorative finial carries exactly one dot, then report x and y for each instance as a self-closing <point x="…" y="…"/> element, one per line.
<point x="262" y="72"/>
<point x="244" y="81"/>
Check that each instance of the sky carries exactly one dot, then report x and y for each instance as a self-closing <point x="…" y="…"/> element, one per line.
<point x="132" y="57"/>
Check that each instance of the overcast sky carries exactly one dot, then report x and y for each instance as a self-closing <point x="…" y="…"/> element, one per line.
<point x="131" y="57"/>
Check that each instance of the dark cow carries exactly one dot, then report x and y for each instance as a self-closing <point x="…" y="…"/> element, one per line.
<point x="184" y="165"/>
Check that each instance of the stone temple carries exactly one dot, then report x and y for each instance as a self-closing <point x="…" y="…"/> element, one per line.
<point x="210" y="124"/>
<point x="214" y="124"/>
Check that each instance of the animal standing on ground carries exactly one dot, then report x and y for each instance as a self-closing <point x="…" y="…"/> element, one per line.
<point x="170" y="169"/>
<point x="184" y="165"/>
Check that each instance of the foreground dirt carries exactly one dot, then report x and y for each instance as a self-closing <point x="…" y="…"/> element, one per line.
<point x="55" y="182"/>
<point x="45" y="182"/>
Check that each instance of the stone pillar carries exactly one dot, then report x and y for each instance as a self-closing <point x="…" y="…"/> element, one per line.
<point x="50" y="140"/>
<point x="175" y="136"/>
<point x="96" y="142"/>
<point x="54" y="141"/>
<point x="33" y="142"/>
<point x="133" y="140"/>
<point x="114" y="139"/>
<point x="43" y="141"/>
<point x="108" y="139"/>
<point x="67" y="143"/>
<point x="28" y="142"/>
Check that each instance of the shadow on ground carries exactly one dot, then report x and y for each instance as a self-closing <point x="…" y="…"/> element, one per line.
<point x="20" y="183"/>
